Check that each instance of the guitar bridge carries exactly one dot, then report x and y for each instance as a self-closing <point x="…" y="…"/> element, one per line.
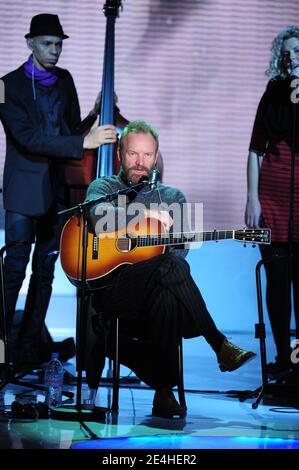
<point x="95" y="247"/>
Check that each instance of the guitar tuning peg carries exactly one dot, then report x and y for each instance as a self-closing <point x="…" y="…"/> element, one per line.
<point x="244" y="245"/>
<point x="253" y="245"/>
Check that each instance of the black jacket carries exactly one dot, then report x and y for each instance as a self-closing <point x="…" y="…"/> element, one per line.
<point x="34" y="159"/>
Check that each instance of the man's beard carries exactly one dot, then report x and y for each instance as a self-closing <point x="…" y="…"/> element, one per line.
<point x="134" y="178"/>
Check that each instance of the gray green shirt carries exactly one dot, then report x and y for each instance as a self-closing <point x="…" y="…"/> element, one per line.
<point x="119" y="212"/>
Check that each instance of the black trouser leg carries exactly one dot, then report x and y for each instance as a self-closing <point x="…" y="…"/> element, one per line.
<point x="18" y="228"/>
<point x="42" y="230"/>
<point x="162" y="298"/>
<point x="278" y="297"/>
<point x="40" y="287"/>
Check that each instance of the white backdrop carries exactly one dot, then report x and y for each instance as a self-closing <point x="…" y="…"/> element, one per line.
<point x="194" y="69"/>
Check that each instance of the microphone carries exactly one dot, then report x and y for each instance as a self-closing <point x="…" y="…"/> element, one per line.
<point x="143" y="179"/>
<point x="153" y="179"/>
<point x="133" y="193"/>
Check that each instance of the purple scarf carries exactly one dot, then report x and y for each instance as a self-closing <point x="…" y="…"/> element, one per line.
<point x="43" y="77"/>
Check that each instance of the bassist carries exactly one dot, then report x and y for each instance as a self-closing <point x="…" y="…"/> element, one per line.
<point x="41" y="120"/>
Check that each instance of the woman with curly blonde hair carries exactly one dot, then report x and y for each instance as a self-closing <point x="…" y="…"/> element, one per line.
<point x="279" y="67"/>
<point x="273" y="193"/>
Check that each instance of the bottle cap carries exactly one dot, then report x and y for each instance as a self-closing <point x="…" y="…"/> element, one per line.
<point x="54" y="355"/>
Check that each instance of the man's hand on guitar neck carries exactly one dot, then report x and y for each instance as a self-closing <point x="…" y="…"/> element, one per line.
<point x="163" y="216"/>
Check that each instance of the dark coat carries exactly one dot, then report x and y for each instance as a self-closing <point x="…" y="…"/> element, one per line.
<point x="34" y="159"/>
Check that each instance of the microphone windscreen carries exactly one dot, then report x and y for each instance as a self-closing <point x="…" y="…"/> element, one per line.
<point x="143" y="179"/>
<point x="154" y="177"/>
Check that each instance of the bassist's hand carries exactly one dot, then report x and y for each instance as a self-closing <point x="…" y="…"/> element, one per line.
<point x="99" y="135"/>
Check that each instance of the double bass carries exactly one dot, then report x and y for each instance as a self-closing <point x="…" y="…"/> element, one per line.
<point x="101" y="162"/>
<point x="80" y="174"/>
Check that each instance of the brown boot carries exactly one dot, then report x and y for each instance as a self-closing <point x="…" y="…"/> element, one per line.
<point x="232" y="357"/>
<point x="166" y="406"/>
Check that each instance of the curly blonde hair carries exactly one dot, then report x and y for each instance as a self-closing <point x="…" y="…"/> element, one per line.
<point x="277" y="68"/>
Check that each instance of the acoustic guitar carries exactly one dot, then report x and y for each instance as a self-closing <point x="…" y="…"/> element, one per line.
<point x="109" y="251"/>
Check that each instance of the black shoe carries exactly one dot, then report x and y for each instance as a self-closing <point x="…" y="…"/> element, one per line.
<point x="166" y="406"/>
<point x="231" y="357"/>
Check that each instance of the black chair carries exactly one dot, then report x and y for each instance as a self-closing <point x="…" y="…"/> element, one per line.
<point x="116" y="369"/>
<point x="104" y="338"/>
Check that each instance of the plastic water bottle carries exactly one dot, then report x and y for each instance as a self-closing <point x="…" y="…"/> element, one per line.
<point x="54" y="382"/>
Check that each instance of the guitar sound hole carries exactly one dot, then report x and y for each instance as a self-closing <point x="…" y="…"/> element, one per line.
<point x="126" y="244"/>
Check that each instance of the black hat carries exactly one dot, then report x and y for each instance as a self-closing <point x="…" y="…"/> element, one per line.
<point x="45" y="24"/>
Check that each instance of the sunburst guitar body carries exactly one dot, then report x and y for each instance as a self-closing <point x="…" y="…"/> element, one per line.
<point x="106" y="252"/>
<point x="109" y="251"/>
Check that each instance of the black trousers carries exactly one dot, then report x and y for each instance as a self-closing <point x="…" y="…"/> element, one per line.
<point x="158" y="302"/>
<point x="43" y="231"/>
<point x="282" y="275"/>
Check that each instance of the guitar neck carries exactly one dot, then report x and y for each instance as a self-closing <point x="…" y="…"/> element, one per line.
<point x="184" y="237"/>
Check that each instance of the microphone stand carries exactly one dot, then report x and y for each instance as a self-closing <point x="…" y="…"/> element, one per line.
<point x="290" y="255"/>
<point x="82" y="210"/>
<point x="4" y="343"/>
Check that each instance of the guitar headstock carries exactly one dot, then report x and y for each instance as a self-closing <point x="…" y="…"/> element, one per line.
<point x="253" y="235"/>
<point x="112" y="7"/>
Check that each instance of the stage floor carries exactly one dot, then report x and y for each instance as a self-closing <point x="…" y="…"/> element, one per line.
<point x="216" y="418"/>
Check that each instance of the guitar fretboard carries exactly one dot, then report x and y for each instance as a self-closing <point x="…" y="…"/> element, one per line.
<point x="185" y="237"/>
